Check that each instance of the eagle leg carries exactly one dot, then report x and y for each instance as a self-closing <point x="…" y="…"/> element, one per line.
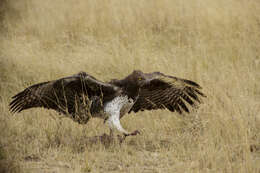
<point x="111" y="133"/>
<point x="114" y="123"/>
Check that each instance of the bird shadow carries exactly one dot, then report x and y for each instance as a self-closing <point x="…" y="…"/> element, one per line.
<point x="107" y="142"/>
<point x="103" y="141"/>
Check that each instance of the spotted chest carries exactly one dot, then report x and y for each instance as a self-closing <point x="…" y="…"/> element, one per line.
<point x="120" y="104"/>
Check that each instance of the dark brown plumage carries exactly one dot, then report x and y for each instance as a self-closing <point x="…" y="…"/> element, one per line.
<point x="82" y="96"/>
<point x="67" y="95"/>
<point x="168" y="92"/>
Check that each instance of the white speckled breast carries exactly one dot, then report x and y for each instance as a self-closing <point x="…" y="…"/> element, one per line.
<point x="119" y="104"/>
<point x="115" y="109"/>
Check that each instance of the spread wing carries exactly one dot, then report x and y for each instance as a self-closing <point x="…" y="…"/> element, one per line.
<point x="63" y="94"/>
<point x="167" y="92"/>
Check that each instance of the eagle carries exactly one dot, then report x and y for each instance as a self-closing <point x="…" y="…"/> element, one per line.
<point x="82" y="96"/>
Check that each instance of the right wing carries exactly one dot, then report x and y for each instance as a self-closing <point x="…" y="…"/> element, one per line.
<point x="167" y="92"/>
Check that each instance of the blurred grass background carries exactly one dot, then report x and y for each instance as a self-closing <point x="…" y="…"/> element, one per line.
<point x="215" y="43"/>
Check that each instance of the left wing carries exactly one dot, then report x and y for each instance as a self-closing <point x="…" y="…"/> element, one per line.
<point x="168" y="92"/>
<point x="62" y="95"/>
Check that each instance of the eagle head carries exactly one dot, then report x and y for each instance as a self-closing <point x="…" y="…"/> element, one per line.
<point x="138" y="77"/>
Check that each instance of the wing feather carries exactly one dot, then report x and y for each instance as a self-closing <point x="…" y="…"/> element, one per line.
<point x="63" y="94"/>
<point x="168" y="92"/>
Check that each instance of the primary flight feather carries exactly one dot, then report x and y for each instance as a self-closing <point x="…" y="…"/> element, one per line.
<point x="82" y="96"/>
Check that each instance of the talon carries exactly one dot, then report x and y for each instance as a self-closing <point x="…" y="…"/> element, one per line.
<point x="136" y="132"/>
<point x="105" y="119"/>
<point x="104" y="137"/>
<point x="121" y="139"/>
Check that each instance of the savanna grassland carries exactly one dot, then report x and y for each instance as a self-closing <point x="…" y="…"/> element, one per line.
<point x="215" y="43"/>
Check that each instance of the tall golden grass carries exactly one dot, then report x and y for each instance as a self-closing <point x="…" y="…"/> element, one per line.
<point x="215" y="43"/>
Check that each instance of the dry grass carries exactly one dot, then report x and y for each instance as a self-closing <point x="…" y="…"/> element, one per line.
<point x="215" y="43"/>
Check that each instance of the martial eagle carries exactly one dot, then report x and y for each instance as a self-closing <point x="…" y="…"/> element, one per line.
<point x="81" y="96"/>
